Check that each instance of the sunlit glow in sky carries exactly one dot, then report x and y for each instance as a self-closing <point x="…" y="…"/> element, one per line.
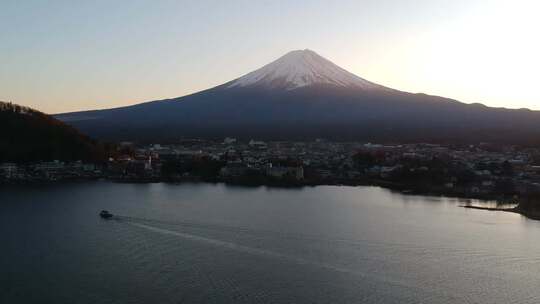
<point x="60" y="56"/>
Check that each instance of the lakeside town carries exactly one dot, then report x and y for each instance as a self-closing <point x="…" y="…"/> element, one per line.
<point x="475" y="171"/>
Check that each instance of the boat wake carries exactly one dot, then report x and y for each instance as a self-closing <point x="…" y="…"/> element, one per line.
<point x="365" y="276"/>
<point x="258" y="232"/>
<point x="238" y="247"/>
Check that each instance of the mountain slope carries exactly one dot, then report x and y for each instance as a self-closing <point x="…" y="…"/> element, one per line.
<point x="29" y="135"/>
<point x="302" y="95"/>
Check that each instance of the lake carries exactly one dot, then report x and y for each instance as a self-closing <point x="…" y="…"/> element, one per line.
<point x="212" y="243"/>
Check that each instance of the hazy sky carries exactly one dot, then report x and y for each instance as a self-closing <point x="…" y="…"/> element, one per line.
<point x="71" y="55"/>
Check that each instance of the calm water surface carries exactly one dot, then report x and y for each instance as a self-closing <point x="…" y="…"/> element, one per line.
<point x="203" y="243"/>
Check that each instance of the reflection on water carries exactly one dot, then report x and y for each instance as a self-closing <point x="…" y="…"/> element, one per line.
<point x="203" y="243"/>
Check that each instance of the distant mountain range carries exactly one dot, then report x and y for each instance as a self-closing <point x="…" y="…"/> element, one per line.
<point x="27" y="135"/>
<point x="303" y="96"/>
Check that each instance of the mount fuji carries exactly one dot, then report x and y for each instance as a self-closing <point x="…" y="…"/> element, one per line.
<point x="302" y="95"/>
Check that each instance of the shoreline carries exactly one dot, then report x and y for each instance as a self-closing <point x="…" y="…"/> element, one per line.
<point x="530" y="215"/>
<point x="391" y="186"/>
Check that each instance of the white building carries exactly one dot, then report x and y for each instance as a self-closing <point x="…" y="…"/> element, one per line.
<point x="229" y="141"/>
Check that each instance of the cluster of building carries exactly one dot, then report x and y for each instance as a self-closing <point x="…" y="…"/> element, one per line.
<point x="480" y="169"/>
<point x="49" y="171"/>
<point x="467" y="170"/>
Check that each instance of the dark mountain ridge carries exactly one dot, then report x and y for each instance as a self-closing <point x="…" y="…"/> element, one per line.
<point x="27" y="135"/>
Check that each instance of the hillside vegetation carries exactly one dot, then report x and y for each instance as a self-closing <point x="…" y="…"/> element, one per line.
<point x="28" y="135"/>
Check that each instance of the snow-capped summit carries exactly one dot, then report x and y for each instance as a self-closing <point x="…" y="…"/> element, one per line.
<point x="302" y="68"/>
